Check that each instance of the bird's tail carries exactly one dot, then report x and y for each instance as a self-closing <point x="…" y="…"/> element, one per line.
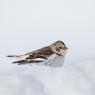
<point x="15" y="56"/>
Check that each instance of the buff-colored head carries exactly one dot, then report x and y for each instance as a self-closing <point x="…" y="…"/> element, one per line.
<point x="59" y="48"/>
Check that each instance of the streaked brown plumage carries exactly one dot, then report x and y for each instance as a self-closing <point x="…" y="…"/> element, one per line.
<point x="43" y="55"/>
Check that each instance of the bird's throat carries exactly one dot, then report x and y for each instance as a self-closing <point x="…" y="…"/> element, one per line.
<point x="58" y="54"/>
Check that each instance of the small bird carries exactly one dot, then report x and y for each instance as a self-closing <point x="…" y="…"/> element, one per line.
<point x="52" y="55"/>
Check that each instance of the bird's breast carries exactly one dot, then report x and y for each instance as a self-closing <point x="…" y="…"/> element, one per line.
<point x="56" y="61"/>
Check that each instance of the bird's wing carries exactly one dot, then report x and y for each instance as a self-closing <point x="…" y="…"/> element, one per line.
<point x="20" y="62"/>
<point x="43" y="53"/>
<point x="37" y="56"/>
<point x="48" y="61"/>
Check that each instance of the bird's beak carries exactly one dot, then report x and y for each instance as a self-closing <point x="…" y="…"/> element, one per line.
<point x="66" y="48"/>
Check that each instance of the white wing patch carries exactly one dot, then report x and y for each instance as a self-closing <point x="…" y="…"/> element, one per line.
<point x="50" y="59"/>
<point x="55" y="61"/>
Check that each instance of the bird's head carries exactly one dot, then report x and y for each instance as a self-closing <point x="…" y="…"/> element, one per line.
<point x="59" y="48"/>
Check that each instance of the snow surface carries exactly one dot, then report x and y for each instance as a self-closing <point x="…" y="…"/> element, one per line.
<point x="26" y="25"/>
<point x="72" y="79"/>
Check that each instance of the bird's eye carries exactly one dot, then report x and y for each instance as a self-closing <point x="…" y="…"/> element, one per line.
<point x="60" y="47"/>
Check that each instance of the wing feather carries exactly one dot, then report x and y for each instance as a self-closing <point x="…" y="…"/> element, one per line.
<point x="38" y="56"/>
<point x="20" y="62"/>
<point x="43" y="53"/>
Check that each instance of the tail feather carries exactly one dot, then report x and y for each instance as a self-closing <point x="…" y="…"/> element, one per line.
<point x="13" y="56"/>
<point x="20" y="62"/>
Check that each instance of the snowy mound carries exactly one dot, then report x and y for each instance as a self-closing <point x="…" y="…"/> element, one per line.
<point x="72" y="79"/>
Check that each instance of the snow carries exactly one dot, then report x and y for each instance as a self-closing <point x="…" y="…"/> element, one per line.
<point x="26" y="25"/>
<point x="71" y="79"/>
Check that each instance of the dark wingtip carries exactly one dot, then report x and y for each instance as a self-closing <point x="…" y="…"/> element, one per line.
<point x="14" y="62"/>
<point x="8" y="56"/>
<point x="18" y="62"/>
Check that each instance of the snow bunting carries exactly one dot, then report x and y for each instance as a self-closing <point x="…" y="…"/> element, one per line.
<point x="52" y="55"/>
